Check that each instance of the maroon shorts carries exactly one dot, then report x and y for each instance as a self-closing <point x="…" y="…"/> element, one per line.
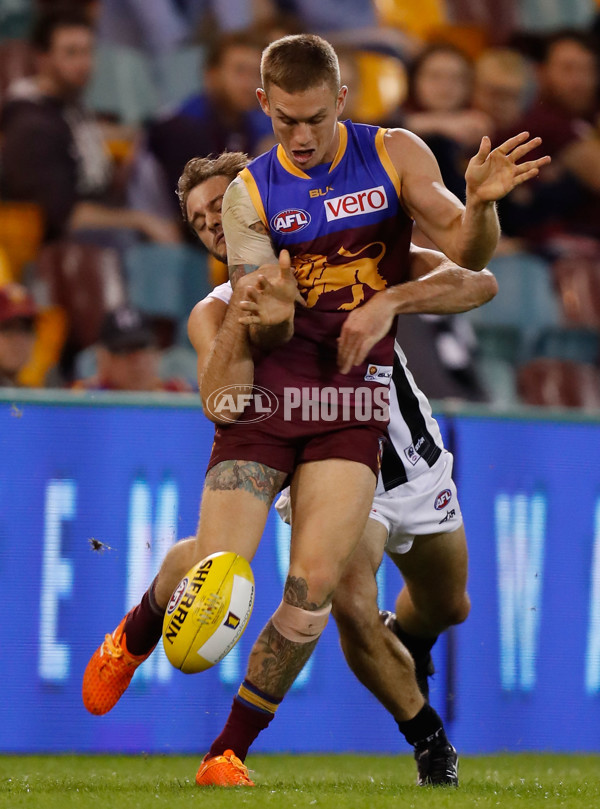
<point x="244" y="441"/>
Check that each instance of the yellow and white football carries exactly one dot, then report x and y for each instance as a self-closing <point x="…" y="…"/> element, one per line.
<point x="208" y="612"/>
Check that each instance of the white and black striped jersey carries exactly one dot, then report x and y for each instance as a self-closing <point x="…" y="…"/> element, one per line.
<point x="414" y="439"/>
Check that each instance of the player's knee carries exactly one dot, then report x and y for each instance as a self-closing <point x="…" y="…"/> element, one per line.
<point x="461" y="610"/>
<point x="354" y="606"/>
<point x="312" y="583"/>
<point x="455" y="611"/>
<point x="300" y="625"/>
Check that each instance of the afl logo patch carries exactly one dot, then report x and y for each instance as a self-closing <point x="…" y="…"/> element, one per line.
<point x="290" y="221"/>
<point x="442" y="500"/>
<point x="177" y="595"/>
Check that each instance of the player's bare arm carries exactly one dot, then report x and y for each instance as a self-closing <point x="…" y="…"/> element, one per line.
<point x="249" y="248"/>
<point x="438" y="286"/>
<point x="467" y="234"/>
<point x="224" y="355"/>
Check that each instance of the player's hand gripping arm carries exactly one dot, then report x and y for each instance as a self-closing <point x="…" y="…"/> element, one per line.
<point x="437" y="286"/>
<point x="272" y="300"/>
<point x="249" y="248"/>
<point x="467" y="234"/>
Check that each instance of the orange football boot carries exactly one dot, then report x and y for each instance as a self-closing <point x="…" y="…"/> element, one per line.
<point x="109" y="672"/>
<point x="223" y="771"/>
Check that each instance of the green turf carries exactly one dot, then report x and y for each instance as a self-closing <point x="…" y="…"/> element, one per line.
<point x="326" y="782"/>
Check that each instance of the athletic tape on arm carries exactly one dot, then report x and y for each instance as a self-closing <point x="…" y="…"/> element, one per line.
<point x="245" y="245"/>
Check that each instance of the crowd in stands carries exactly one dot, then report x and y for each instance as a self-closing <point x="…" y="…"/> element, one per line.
<point x="102" y="103"/>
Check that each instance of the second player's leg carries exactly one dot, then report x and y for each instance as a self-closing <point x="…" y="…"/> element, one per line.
<point x="375" y="655"/>
<point x="435" y="576"/>
<point x="384" y="665"/>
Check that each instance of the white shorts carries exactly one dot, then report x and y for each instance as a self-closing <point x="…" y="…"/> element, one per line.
<point x="428" y="504"/>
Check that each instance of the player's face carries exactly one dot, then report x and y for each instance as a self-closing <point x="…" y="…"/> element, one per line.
<point x="69" y="61"/>
<point x="204" y="214"/>
<point x="305" y="123"/>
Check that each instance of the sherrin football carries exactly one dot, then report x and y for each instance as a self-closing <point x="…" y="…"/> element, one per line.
<point x="208" y="612"/>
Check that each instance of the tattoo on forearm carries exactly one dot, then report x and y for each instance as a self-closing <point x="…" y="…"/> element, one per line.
<point x="275" y="661"/>
<point x="258" y="227"/>
<point x="236" y="271"/>
<point x="260" y="480"/>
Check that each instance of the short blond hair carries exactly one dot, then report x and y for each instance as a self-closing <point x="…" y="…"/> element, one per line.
<point x="298" y="62"/>
<point x="199" y="169"/>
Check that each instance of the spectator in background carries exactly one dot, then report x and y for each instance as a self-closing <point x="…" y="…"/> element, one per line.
<point x="565" y="115"/>
<point x="225" y="116"/>
<point x="53" y="152"/>
<point x="17" y="332"/>
<point x="353" y="23"/>
<point x="504" y="87"/>
<point x="439" y="110"/>
<point x="128" y="356"/>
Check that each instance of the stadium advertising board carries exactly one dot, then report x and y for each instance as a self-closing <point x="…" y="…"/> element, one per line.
<point x="91" y="497"/>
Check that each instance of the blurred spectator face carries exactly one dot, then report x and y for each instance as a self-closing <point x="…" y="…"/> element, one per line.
<point x="17" y="329"/>
<point x="203" y="208"/>
<point x="235" y="79"/>
<point x="442" y="82"/>
<point x="130" y="369"/>
<point x="569" y="77"/>
<point x="127" y="355"/>
<point x="501" y="82"/>
<point x="17" y="338"/>
<point x="69" y="61"/>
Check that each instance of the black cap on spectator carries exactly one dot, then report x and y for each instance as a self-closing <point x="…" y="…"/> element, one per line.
<point x="126" y="329"/>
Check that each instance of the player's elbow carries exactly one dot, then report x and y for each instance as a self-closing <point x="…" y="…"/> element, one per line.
<point x="226" y="403"/>
<point x="489" y="286"/>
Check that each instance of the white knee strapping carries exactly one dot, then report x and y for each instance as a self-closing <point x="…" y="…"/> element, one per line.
<point x="298" y="625"/>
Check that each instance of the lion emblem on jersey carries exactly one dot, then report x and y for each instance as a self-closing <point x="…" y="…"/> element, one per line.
<point x="318" y="275"/>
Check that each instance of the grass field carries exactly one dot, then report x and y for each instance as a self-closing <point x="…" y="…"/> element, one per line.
<point x="327" y="782"/>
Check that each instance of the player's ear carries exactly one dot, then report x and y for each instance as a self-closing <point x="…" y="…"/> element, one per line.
<point x="341" y="100"/>
<point x="263" y="101"/>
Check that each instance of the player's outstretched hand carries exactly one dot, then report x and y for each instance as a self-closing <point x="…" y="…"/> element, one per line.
<point x="271" y="297"/>
<point x="362" y="329"/>
<point x="493" y="173"/>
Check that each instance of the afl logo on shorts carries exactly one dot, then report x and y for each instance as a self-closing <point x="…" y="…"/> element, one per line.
<point x="176" y="597"/>
<point x="442" y="500"/>
<point x="290" y="221"/>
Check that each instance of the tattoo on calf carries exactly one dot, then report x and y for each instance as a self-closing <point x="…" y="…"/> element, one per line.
<point x="275" y="661"/>
<point x="260" y="480"/>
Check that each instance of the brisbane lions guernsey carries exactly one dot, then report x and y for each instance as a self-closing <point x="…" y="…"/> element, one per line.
<point x="348" y="238"/>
